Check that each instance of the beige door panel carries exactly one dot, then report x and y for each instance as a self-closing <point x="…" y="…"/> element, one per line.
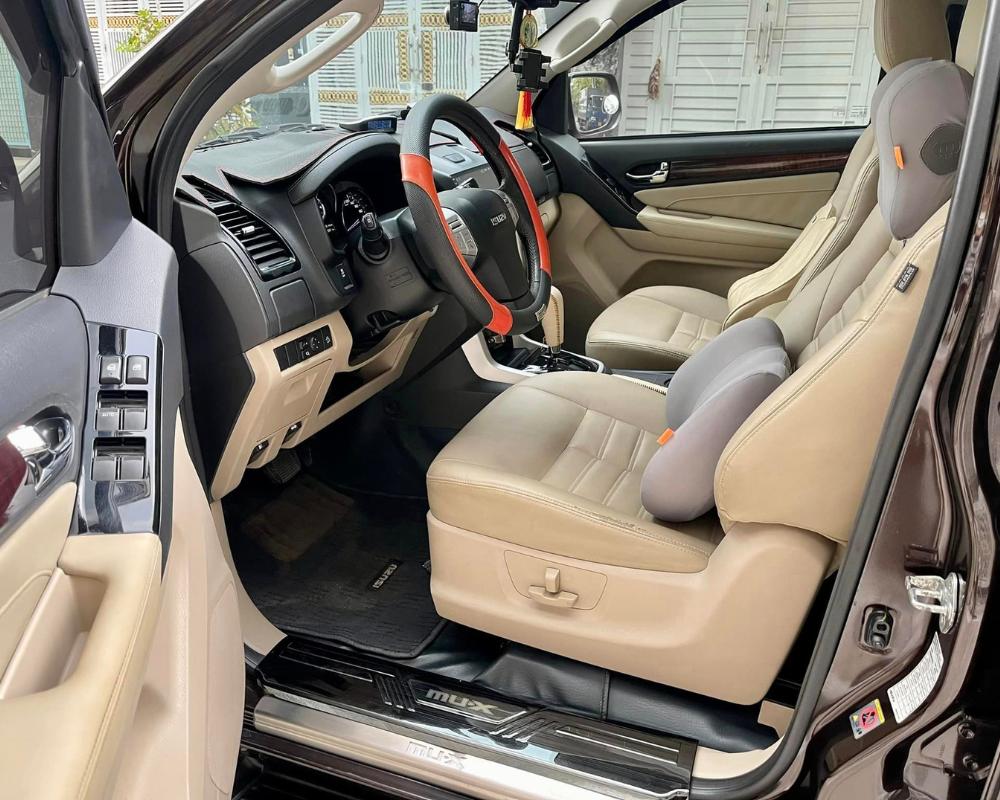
<point x="68" y="695"/>
<point x="185" y="737"/>
<point x="787" y="200"/>
<point x="706" y="236"/>
<point x="714" y="230"/>
<point x="28" y="558"/>
<point x="594" y="264"/>
<point x="114" y="682"/>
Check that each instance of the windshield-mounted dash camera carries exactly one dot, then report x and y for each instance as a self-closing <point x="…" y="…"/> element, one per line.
<point x="462" y="15"/>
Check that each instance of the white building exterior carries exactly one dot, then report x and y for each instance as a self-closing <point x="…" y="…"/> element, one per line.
<point x="408" y="53"/>
<point x="732" y="65"/>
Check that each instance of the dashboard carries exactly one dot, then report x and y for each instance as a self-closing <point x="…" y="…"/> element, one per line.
<point x="295" y="320"/>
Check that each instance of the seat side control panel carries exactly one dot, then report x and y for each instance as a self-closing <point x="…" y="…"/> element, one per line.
<point x="304" y="347"/>
<point x="120" y="444"/>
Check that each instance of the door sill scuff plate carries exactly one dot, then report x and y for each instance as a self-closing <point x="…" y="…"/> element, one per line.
<point x="451" y="734"/>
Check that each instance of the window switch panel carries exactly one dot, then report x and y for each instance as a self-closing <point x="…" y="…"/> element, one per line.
<point x="134" y="419"/>
<point x="132" y="467"/>
<point x="108" y="419"/>
<point x="137" y="370"/>
<point x="111" y="370"/>
<point x="105" y="468"/>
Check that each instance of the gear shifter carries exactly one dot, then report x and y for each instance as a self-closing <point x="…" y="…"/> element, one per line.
<point x="553" y="322"/>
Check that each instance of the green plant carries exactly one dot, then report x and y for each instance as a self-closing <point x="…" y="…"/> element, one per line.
<point x="239" y="117"/>
<point x="145" y="28"/>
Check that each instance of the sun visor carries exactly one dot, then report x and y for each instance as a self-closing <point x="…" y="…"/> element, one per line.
<point x="920" y="117"/>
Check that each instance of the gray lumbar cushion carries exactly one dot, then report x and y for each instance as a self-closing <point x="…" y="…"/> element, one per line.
<point x="711" y="395"/>
<point x="920" y="111"/>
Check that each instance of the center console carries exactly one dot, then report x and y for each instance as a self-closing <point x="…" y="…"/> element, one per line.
<point x="527" y="355"/>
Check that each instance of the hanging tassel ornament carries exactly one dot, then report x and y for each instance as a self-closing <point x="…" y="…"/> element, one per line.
<point x="527" y="63"/>
<point x="525" y="121"/>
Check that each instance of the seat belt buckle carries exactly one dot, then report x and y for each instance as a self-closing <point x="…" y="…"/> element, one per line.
<point x="665" y="437"/>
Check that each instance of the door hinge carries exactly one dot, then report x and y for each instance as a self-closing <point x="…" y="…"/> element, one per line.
<point x="941" y="596"/>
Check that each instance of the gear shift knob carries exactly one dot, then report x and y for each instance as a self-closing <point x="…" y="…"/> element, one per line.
<point x="553" y="321"/>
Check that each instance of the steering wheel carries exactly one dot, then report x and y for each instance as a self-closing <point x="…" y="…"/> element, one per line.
<point x="471" y="237"/>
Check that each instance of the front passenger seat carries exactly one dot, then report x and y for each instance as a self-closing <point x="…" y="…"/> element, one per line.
<point x="659" y="327"/>
<point x="542" y="529"/>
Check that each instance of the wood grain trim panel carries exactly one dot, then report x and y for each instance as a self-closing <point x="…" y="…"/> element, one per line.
<point x="687" y="171"/>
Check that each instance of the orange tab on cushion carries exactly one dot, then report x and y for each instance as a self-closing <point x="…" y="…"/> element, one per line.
<point x="898" y="152"/>
<point x="665" y="437"/>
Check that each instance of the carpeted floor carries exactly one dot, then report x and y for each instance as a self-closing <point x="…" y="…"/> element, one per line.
<point x="347" y="569"/>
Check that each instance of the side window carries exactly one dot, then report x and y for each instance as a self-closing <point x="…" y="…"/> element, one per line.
<point x="716" y="66"/>
<point x="24" y="90"/>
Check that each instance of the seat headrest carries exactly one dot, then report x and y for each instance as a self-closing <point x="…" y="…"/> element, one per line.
<point x="920" y="119"/>
<point x="971" y="34"/>
<point x="711" y="395"/>
<point x="908" y="29"/>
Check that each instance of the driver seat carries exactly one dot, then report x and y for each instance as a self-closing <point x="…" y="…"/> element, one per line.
<point x="538" y="533"/>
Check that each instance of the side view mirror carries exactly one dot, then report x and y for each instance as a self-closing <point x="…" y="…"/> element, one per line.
<point x="596" y="103"/>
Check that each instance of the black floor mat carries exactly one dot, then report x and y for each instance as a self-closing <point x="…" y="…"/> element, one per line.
<point x="347" y="569"/>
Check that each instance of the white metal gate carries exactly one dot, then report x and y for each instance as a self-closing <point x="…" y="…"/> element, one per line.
<point x="731" y="65"/>
<point x="407" y="54"/>
<point x="14" y="117"/>
<point x="110" y="22"/>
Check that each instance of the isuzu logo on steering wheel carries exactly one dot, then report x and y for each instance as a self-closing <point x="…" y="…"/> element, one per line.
<point x="498" y="219"/>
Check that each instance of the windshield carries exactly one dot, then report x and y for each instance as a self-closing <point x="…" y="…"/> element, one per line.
<point x="407" y="54"/>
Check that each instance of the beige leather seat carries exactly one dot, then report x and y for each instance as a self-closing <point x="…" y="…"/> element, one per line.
<point x="537" y="529"/>
<point x="659" y="327"/>
<point x="538" y="534"/>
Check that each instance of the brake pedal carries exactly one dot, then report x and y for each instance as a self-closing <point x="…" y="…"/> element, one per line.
<point x="284" y="468"/>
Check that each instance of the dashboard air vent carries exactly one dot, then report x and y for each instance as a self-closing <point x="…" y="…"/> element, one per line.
<point x="270" y="255"/>
<point x="539" y="151"/>
<point x="531" y="143"/>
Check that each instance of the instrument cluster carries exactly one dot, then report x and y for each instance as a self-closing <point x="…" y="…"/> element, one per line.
<point x="341" y="206"/>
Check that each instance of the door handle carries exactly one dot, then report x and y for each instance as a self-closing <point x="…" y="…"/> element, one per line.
<point x="657" y="176"/>
<point x="45" y="446"/>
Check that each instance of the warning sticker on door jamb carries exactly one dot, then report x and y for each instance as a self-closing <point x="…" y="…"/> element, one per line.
<point x="909" y="694"/>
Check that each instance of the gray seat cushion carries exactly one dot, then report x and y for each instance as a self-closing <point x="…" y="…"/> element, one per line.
<point x="711" y="395"/>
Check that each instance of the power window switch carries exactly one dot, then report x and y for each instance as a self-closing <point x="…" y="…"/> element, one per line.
<point x="134" y="419"/>
<point x="132" y="467"/>
<point x="107" y="420"/>
<point x="111" y="370"/>
<point x="104" y="468"/>
<point x="137" y="369"/>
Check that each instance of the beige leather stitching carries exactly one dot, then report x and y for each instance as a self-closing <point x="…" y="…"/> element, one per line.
<point x="844" y="348"/>
<point x="597" y="519"/>
<point x="819" y="261"/>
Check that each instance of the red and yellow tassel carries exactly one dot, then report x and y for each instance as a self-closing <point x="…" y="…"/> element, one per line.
<point x="525" y="121"/>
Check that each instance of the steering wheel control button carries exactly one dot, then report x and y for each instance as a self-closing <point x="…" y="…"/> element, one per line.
<point x="511" y="208"/>
<point x="111" y="370"/>
<point x="463" y="236"/>
<point x="137" y="370"/>
<point x="107" y="420"/>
